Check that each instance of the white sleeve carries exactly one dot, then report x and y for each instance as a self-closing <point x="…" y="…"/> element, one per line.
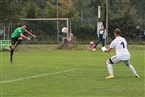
<point x="105" y="35"/>
<point x="98" y="33"/>
<point x="112" y="45"/>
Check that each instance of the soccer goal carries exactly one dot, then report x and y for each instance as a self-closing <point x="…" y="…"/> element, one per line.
<point x="48" y="30"/>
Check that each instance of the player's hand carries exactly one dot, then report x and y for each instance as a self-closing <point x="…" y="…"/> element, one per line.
<point x="104" y="49"/>
<point x="28" y="38"/>
<point x="34" y="36"/>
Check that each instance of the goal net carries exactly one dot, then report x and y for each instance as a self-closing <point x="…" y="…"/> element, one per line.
<point x="47" y="30"/>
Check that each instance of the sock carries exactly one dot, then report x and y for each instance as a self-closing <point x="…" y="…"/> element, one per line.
<point x="110" y="69"/>
<point x="132" y="69"/>
<point x="12" y="50"/>
<point x="11" y="54"/>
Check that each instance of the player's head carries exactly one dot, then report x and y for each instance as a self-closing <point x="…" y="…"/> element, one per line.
<point x="23" y="26"/>
<point x="117" y="32"/>
<point x="92" y="42"/>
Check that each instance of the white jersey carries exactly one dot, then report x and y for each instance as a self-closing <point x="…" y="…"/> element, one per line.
<point x="103" y="32"/>
<point x="120" y="46"/>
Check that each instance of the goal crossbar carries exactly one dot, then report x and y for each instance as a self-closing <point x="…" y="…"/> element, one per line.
<point x="33" y="19"/>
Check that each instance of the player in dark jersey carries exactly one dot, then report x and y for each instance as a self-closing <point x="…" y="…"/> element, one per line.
<point x="16" y="38"/>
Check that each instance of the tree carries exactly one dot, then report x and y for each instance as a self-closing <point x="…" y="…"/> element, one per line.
<point x="10" y="10"/>
<point x="125" y="17"/>
<point x="65" y="9"/>
<point x="30" y="10"/>
<point x="140" y="7"/>
<point x="50" y="10"/>
<point x="87" y="16"/>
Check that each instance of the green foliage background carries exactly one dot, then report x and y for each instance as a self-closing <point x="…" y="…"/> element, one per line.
<point x="125" y="14"/>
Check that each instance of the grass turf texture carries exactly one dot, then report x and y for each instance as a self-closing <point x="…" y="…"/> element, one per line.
<point x="44" y="71"/>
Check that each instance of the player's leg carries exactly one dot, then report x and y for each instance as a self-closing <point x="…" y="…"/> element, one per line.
<point x="97" y="42"/>
<point x="110" y="68"/>
<point x="103" y="42"/>
<point x="19" y="41"/>
<point x="132" y="69"/>
<point x="12" y="47"/>
<point x="112" y="60"/>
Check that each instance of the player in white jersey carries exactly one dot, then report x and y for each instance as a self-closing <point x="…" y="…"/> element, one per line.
<point x="122" y="54"/>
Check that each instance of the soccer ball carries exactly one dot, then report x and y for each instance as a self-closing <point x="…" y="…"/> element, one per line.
<point x="64" y="29"/>
<point x="69" y="39"/>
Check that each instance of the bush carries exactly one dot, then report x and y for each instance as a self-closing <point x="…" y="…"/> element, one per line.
<point x="84" y="34"/>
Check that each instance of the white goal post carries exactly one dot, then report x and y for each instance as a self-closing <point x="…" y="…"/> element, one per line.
<point x="68" y="23"/>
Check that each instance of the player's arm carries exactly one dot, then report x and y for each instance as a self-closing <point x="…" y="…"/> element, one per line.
<point x="24" y="36"/>
<point x="30" y="33"/>
<point x="112" y="45"/>
<point x="108" y="50"/>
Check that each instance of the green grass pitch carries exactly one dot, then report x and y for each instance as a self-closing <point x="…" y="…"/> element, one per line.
<point x="44" y="71"/>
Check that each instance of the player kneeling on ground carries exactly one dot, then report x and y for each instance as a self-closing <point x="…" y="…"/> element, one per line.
<point x="122" y="54"/>
<point x="16" y="38"/>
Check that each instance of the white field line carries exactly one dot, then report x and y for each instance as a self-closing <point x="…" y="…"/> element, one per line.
<point x="36" y="76"/>
<point x="42" y="75"/>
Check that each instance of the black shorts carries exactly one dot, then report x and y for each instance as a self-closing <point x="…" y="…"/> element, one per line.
<point x="14" y="40"/>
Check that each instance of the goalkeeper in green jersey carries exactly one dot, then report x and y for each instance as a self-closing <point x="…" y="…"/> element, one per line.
<point x="16" y="38"/>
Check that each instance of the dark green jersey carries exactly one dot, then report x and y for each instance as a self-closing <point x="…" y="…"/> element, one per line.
<point x="17" y="32"/>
